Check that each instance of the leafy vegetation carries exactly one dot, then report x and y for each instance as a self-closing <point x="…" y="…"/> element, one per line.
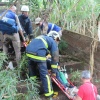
<point x="3" y="58"/>
<point x="78" y="16"/>
<point x="75" y="77"/>
<point x="62" y="46"/>
<point x="11" y="82"/>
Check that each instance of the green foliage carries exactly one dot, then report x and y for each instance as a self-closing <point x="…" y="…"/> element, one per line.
<point x="3" y="58"/>
<point x="11" y="82"/>
<point x="75" y="76"/>
<point x="76" y="15"/>
<point x="8" y="83"/>
<point x="62" y="46"/>
<point x="23" y="69"/>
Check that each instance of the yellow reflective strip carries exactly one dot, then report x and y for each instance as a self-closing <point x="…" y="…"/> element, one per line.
<point x="43" y="41"/>
<point x="48" y="81"/>
<point x="54" y="66"/>
<point x="48" y="94"/>
<point x="36" y="57"/>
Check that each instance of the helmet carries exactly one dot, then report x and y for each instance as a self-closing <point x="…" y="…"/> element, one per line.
<point x="54" y="34"/>
<point x="24" y="8"/>
<point x="37" y="20"/>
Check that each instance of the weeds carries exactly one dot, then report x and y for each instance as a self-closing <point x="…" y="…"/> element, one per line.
<point x="11" y="82"/>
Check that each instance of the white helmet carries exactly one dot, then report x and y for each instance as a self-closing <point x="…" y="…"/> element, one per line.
<point x="54" y="34"/>
<point x="24" y="8"/>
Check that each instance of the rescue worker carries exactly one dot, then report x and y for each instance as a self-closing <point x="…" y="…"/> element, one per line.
<point x="36" y="52"/>
<point x="50" y="26"/>
<point x="14" y="37"/>
<point x="25" y="22"/>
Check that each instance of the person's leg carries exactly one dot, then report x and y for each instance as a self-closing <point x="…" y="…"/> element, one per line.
<point x="5" y="43"/>
<point x="49" y="64"/>
<point x="45" y="79"/>
<point x="32" y="66"/>
<point x="16" y="45"/>
<point x="11" y="50"/>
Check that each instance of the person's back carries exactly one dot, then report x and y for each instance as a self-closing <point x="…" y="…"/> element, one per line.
<point x="49" y="26"/>
<point x="53" y="27"/>
<point x="10" y="14"/>
<point x="12" y="36"/>
<point x="87" y="91"/>
<point x="41" y="49"/>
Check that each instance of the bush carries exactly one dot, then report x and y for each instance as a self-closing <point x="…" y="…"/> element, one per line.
<point x="75" y="77"/>
<point x="62" y="46"/>
<point x="3" y="58"/>
<point x="11" y="82"/>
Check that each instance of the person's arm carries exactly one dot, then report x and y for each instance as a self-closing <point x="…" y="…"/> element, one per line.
<point x="80" y="94"/>
<point x="20" y="29"/>
<point x="55" y="57"/>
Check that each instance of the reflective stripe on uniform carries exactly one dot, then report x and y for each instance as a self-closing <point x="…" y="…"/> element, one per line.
<point x="48" y="82"/>
<point x="36" y="57"/>
<point x="54" y="66"/>
<point x="49" y="94"/>
<point x="50" y="91"/>
<point x="44" y="41"/>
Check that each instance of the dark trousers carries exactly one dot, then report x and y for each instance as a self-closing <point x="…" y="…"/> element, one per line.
<point x="43" y="71"/>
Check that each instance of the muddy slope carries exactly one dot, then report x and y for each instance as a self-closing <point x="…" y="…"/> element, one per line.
<point x="79" y="46"/>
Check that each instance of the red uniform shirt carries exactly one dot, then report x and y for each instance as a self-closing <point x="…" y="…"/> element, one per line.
<point x="87" y="91"/>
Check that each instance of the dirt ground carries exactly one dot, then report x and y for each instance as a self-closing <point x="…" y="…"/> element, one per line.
<point x="61" y="95"/>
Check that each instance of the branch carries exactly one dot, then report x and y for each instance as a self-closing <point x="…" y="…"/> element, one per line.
<point x="70" y="11"/>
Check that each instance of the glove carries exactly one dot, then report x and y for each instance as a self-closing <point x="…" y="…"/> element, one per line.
<point x="54" y="71"/>
<point x="48" y="56"/>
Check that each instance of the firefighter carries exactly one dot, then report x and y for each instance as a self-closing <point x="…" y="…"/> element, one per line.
<point x="49" y="26"/>
<point x="36" y="52"/>
<point x="25" y="22"/>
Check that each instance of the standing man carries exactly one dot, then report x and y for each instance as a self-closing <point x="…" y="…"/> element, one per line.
<point x="25" y="22"/>
<point x="13" y="36"/>
<point x="36" y="51"/>
<point x="87" y="91"/>
<point x="49" y="26"/>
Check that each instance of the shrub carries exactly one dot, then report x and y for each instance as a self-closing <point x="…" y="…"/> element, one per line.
<point x="11" y="83"/>
<point x="62" y="46"/>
